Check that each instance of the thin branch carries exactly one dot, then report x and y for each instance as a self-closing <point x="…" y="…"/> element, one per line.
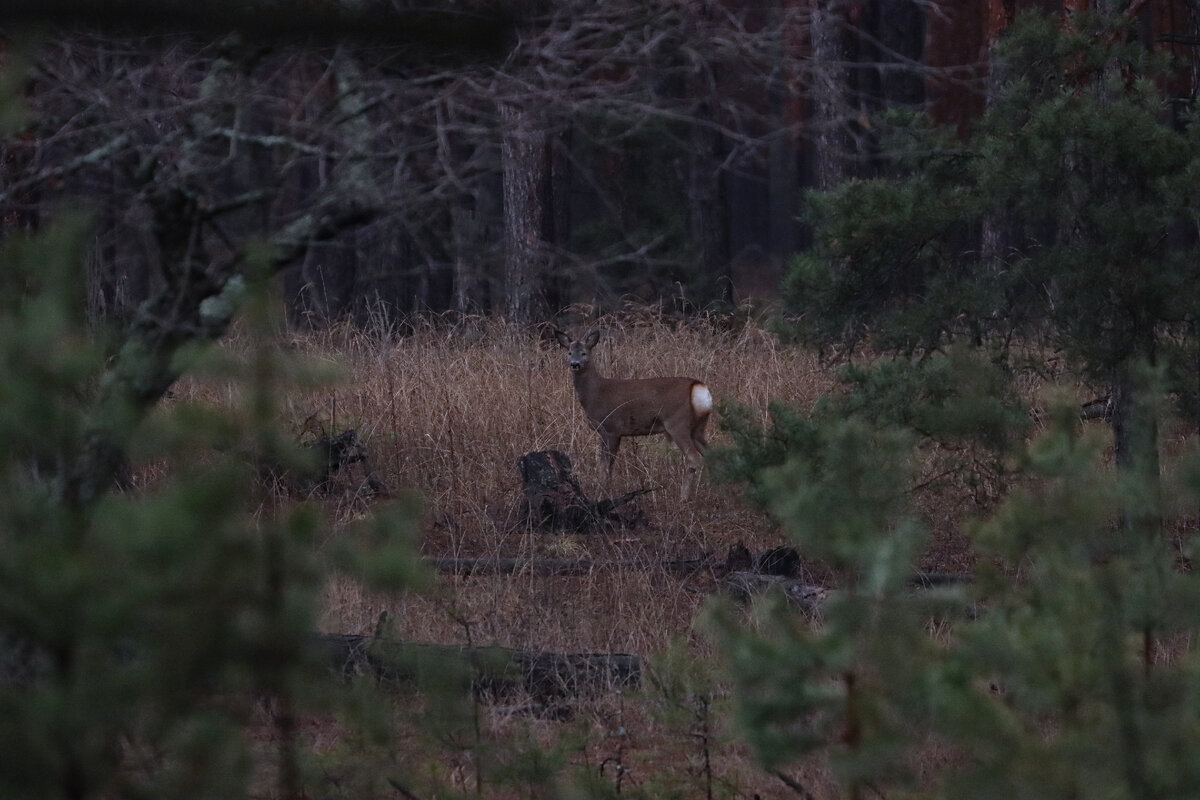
<point x="270" y="140"/>
<point x="793" y="784"/>
<point x="318" y="225"/>
<point x="399" y="787"/>
<point x="76" y="164"/>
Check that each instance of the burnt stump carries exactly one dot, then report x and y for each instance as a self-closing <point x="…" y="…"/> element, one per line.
<point x="553" y="500"/>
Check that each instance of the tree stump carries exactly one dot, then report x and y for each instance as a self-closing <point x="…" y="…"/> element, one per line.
<point x="553" y="500"/>
<point x="327" y="454"/>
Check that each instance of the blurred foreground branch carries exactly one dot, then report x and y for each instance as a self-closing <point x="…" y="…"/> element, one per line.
<point x="430" y="30"/>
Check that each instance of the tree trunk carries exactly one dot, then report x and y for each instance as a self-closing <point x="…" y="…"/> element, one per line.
<point x="557" y="219"/>
<point x="466" y="275"/>
<point x="955" y="45"/>
<point x="478" y="226"/>
<point x="829" y="83"/>
<point x="553" y="500"/>
<point x="1135" y="442"/>
<point x="708" y="217"/>
<point x="523" y="163"/>
<point x="744" y="586"/>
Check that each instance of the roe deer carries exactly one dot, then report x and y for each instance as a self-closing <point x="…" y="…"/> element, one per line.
<point x="619" y="407"/>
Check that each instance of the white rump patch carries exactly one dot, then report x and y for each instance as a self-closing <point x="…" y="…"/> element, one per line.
<point x="701" y="398"/>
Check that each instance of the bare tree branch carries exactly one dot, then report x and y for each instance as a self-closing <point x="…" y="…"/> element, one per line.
<point x="53" y="173"/>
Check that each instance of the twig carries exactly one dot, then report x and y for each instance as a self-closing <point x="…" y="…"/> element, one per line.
<point x="85" y="160"/>
<point x="399" y="787"/>
<point x="793" y="784"/>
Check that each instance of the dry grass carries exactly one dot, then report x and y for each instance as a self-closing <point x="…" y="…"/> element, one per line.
<point x="446" y="411"/>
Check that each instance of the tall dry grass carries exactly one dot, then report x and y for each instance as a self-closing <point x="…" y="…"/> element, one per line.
<point x="446" y="410"/>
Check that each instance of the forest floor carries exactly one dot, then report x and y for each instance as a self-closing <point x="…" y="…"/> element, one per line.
<point x="446" y="411"/>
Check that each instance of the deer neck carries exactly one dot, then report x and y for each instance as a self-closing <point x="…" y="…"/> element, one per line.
<point x="588" y="382"/>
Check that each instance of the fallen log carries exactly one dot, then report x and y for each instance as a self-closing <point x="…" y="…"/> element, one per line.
<point x="463" y="565"/>
<point x="927" y="580"/>
<point x="490" y="671"/>
<point x="327" y="455"/>
<point x="509" y="566"/>
<point x="1100" y="408"/>
<point x="743" y="586"/>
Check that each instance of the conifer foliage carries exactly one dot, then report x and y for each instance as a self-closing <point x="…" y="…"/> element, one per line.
<point x="1068" y="217"/>
<point x="1067" y="667"/>
<point x="145" y="627"/>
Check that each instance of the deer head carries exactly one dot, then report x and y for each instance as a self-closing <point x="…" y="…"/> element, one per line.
<point x="578" y="353"/>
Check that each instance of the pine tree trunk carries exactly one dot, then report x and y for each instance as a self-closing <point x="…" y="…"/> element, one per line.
<point x="523" y="162"/>
<point x="707" y="218"/>
<point x="463" y="228"/>
<point x="1135" y="440"/>
<point x="830" y="81"/>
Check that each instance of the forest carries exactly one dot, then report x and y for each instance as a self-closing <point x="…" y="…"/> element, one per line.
<point x="308" y="485"/>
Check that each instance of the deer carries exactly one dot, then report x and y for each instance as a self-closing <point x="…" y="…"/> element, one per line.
<point x="620" y="407"/>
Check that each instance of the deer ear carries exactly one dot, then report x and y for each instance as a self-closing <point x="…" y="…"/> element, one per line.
<point x="592" y="338"/>
<point x="562" y="338"/>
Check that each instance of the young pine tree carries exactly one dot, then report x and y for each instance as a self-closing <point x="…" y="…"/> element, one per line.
<point x="1066" y="669"/>
<point x="1062" y="220"/>
<point x="142" y="629"/>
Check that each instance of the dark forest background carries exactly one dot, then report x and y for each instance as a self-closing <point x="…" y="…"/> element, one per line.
<point x="505" y="158"/>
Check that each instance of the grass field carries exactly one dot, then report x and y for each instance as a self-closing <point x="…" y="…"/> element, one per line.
<point x="446" y="411"/>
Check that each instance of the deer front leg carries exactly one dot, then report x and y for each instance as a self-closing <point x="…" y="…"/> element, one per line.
<point x="611" y="443"/>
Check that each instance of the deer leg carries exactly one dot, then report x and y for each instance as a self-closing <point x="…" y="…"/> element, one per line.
<point x="611" y="444"/>
<point x="699" y="444"/>
<point x="693" y="453"/>
<point x="691" y="481"/>
<point x="698" y="437"/>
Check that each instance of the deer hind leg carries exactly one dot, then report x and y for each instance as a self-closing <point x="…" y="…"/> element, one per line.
<point x="698" y="436"/>
<point x="699" y="444"/>
<point x="693" y="451"/>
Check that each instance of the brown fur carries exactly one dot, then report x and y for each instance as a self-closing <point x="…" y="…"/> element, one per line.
<point x="620" y="407"/>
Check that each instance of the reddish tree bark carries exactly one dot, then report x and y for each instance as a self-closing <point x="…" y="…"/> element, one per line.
<point x="955" y="48"/>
